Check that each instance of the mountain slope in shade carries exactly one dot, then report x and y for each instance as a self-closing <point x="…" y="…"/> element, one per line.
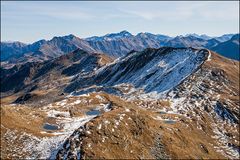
<point x="50" y="74"/>
<point x="211" y="43"/>
<point x="229" y="48"/>
<point x="11" y="49"/>
<point x="44" y="50"/>
<point x="191" y="41"/>
<point x="224" y="37"/>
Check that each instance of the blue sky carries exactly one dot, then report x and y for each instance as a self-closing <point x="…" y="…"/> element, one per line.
<point x="31" y="21"/>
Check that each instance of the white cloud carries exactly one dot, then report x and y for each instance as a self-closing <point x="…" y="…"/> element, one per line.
<point x="161" y="15"/>
<point x="48" y="10"/>
<point x="174" y="11"/>
<point x="67" y="15"/>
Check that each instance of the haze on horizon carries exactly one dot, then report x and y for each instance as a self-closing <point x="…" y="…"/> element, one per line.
<point x="31" y="21"/>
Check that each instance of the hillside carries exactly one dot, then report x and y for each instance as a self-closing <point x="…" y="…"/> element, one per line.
<point x="52" y="74"/>
<point x="152" y="104"/>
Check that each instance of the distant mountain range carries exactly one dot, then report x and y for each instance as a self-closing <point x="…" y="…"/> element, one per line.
<point x="114" y="45"/>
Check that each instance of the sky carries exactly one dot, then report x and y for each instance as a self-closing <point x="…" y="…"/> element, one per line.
<point x="29" y="21"/>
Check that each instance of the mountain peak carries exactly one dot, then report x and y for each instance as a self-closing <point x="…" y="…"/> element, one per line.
<point x="158" y="37"/>
<point x="141" y="34"/>
<point x="121" y="34"/>
<point x="66" y="37"/>
<point x="193" y="35"/>
<point x="202" y="36"/>
<point x="40" y="41"/>
<point x="69" y="37"/>
<point x="126" y="33"/>
<point x="111" y="36"/>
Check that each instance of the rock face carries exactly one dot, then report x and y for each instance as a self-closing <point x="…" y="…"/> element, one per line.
<point x="23" y="98"/>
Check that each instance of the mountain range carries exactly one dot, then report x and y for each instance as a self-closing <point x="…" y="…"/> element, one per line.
<point x="147" y="96"/>
<point x="179" y="103"/>
<point x="114" y="45"/>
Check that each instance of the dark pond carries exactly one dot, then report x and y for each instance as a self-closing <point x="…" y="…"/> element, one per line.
<point x="48" y="126"/>
<point x="169" y="121"/>
<point x="162" y="112"/>
<point x="93" y="112"/>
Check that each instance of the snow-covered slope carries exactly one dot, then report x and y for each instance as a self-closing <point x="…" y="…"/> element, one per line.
<point x="112" y="36"/>
<point x="152" y="69"/>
